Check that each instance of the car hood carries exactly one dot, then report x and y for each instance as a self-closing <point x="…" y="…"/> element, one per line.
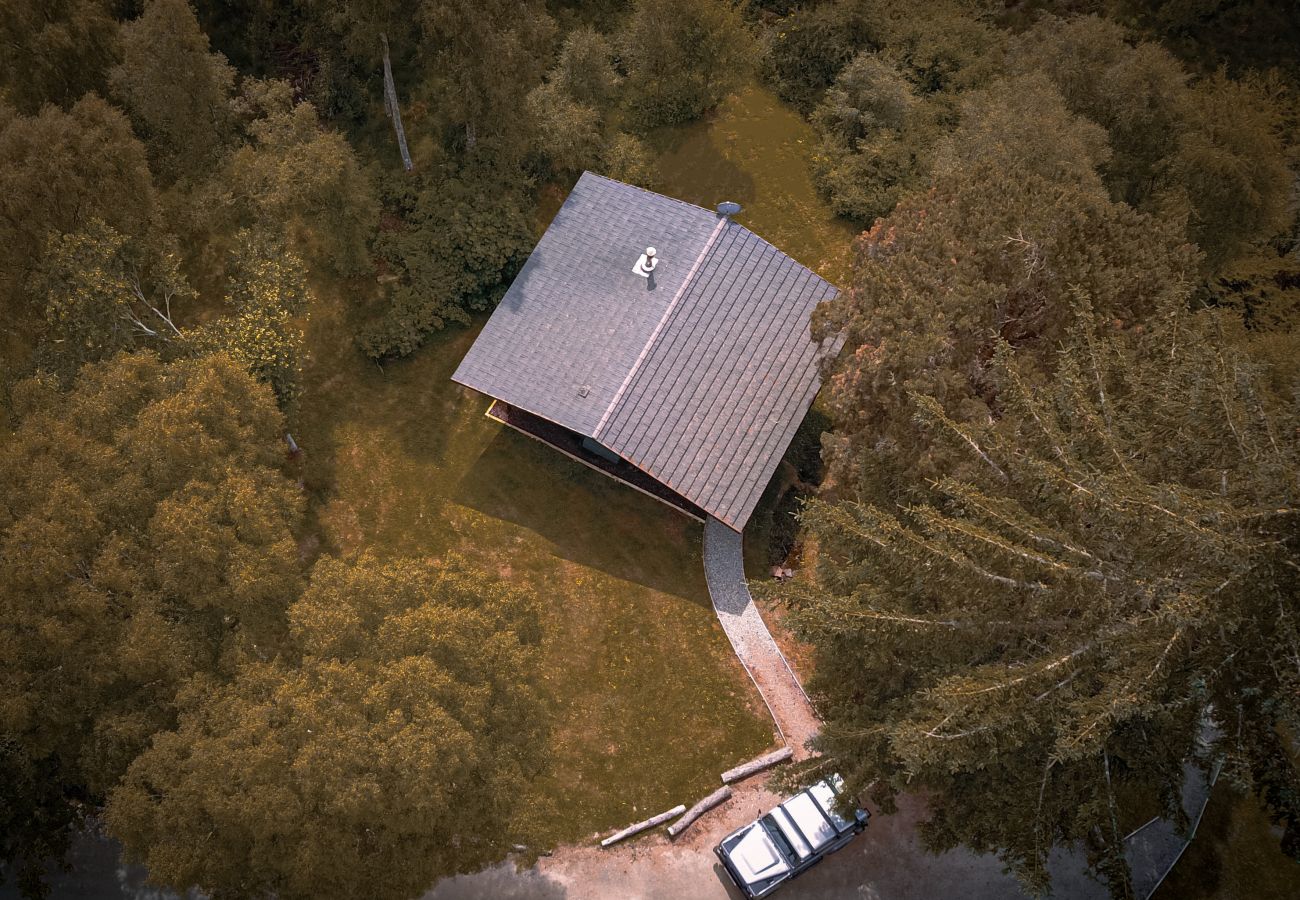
<point x="756" y="858"/>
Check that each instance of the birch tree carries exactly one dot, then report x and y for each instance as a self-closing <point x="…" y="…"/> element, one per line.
<point x="102" y="294"/>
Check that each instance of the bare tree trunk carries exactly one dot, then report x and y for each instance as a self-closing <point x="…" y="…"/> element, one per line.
<point x="642" y="826"/>
<point x="721" y="795"/>
<point x="390" y="105"/>
<point x="755" y="766"/>
<point x="471" y="137"/>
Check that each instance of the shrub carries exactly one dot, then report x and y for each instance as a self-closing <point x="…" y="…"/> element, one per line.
<point x="463" y="237"/>
<point x="808" y="48"/>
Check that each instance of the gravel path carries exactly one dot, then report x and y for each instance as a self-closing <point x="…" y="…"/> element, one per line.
<point x="724" y="571"/>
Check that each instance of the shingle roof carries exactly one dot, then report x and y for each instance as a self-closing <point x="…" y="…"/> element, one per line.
<point x="699" y="379"/>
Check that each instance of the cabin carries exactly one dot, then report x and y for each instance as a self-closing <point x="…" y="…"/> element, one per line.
<point x="659" y="342"/>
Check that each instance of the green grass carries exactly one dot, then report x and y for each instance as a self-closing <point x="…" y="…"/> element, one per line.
<point x="647" y="703"/>
<point x="755" y="150"/>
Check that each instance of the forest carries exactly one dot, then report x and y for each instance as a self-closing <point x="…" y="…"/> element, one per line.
<point x="1052" y="550"/>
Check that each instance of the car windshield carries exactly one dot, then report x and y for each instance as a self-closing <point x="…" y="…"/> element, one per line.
<point x="774" y="832"/>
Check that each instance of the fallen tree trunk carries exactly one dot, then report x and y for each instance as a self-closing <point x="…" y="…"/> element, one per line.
<point x="721" y="795"/>
<point x="642" y="826"/>
<point x="755" y="766"/>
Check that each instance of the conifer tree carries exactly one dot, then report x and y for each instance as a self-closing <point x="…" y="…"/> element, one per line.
<point x="1015" y="221"/>
<point x="1117" y="566"/>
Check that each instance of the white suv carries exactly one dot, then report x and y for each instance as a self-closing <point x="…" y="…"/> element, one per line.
<point x="789" y="840"/>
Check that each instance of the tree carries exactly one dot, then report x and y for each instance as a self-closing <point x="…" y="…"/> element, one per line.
<point x="876" y="136"/>
<point x="568" y="133"/>
<point x="176" y="90"/>
<point x="1134" y="92"/>
<point x="808" y="48"/>
<point x="145" y="547"/>
<point x="464" y="237"/>
<point x="55" y="51"/>
<point x="266" y="290"/>
<point x="683" y="57"/>
<point x="573" y="112"/>
<point x="484" y="56"/>
<point x="103" y="294"/>
<point x="1229" y="169"/>
<point x="61" y="170"/>
<point x="948" y="50"/>
<point x="389" y="754"/>
<point x="627" y="159"/>
<point x="1008" y="232"/>
<point x="585" y="71"/>
<point x="1027" y="642"/>
<point x="303" y="177"/>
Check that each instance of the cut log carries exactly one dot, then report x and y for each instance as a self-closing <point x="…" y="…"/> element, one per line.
<point x="721" y="795"/>
<point x="390" y="105"/>
<point x="642" y="826"/>
<point x="754" y="766"/>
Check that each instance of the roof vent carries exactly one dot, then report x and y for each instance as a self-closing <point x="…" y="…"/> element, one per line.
<point x="728" y="209"/>
<point x="645" y="266"/>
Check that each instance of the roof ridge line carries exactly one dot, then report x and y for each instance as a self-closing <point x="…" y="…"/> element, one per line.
<point x="654" y="335"/>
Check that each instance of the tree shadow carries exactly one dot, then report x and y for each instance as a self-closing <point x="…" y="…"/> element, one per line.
<point x="587" y="517"/>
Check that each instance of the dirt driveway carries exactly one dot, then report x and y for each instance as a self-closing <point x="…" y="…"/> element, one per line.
<point x="884" y="863"/>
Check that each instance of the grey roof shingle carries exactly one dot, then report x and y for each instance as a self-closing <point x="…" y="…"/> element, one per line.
<point x="700" y="381"/>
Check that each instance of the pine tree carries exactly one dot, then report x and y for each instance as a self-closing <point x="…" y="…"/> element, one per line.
<point x="1030" y="641"/>
<point x="1014" y="223"/>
